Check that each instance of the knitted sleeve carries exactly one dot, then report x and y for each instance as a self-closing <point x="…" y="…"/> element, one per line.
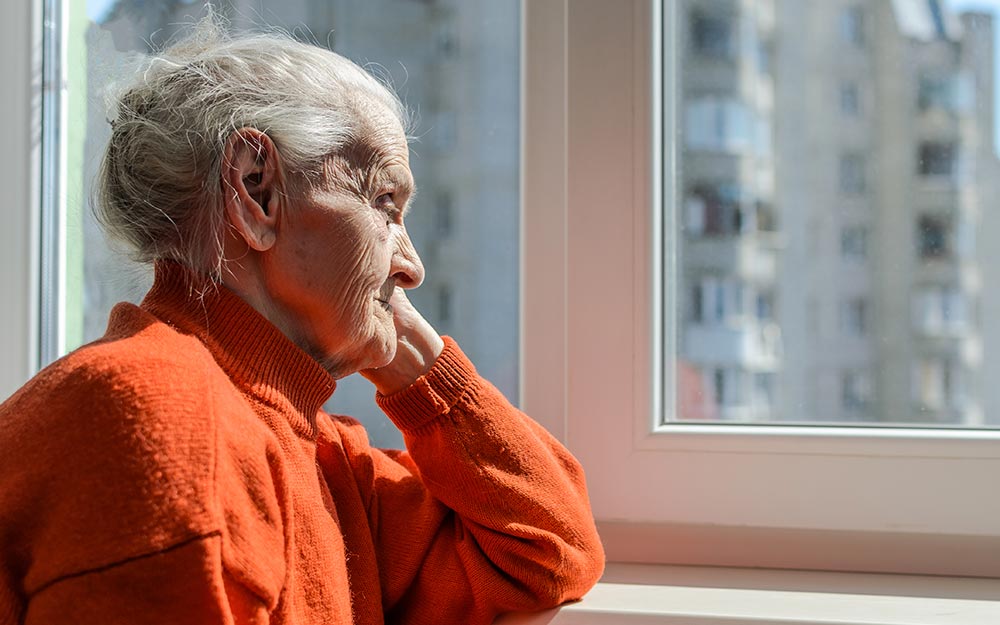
<point x="183" y="584"/>
<point x="484" y="513"/>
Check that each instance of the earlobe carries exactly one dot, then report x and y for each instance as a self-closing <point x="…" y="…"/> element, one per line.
<point x="251" y="177"/>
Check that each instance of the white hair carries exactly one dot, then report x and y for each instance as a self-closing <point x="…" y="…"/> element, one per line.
<point x="159" y="185"/>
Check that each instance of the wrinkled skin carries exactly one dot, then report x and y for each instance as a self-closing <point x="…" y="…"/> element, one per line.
<point x="327" y="263"/>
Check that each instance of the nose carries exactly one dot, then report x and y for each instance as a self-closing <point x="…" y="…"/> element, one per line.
<point x="406" y="266"/>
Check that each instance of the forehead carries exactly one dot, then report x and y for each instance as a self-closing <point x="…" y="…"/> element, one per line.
<point x="378" y="151"/>
<point x="380" y="137"/>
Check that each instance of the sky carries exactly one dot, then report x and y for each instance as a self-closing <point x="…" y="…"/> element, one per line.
<point x="988" y="6"/>
<point x="96" y="9"/>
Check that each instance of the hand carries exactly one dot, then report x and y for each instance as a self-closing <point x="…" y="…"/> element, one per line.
<point x="417" y="347"/>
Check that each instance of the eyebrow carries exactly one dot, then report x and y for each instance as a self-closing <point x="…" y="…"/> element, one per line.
<point x="402" y="183"/>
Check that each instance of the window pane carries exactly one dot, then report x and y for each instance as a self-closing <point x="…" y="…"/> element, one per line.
<point x="836" y="230"/>
<point x="455" y="64"/>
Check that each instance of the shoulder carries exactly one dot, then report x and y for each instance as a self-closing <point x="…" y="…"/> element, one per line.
<point x="111" y="452"/>
<point x="142" y="393"/>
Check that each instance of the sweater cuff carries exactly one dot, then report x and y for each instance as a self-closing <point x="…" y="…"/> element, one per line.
<point x="432" y="394"/>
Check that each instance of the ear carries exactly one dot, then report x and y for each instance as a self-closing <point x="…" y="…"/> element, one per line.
<point x="251" y="184"/>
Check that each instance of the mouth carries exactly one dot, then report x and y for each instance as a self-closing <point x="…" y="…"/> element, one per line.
<point x="385" y="293"/>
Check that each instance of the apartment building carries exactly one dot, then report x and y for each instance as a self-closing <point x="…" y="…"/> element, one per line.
<point x="836" y="189"/>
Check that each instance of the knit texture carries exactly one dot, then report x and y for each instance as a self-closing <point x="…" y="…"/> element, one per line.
<point x="181" y="470"/>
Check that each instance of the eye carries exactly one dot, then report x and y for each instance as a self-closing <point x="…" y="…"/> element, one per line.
<point x="387" y="204"/>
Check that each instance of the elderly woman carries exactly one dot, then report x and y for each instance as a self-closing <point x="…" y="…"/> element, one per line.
<point x="180" y="469"/>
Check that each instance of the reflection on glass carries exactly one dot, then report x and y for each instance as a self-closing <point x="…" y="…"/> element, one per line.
<point x="455" y="64"/>
<point x="838" y="168"/>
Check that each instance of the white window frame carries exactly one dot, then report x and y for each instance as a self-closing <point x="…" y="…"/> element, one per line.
<point x="20" y="175"/>
<point x="835" y="498"/>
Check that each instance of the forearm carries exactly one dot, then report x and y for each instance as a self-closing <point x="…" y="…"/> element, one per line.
<point x="511" y="484"/>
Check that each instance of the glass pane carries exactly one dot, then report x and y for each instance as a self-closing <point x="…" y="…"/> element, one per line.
<point x="455" y="64"/>
<point x="837" y="232"/>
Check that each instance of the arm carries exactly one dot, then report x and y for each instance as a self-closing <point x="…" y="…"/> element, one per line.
<point x="182" y="584"/>
<point x="504" y="524"/>
<point x="107" y="505"/>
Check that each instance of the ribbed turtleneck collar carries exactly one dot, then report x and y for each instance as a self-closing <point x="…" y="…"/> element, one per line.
<point x="261" y="360"/>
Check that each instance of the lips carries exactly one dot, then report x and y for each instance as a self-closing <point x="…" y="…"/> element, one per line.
<point x="386" y="291"/>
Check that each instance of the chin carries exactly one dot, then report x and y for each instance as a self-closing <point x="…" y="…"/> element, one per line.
<point x="383" y="360"/>
<point x="383" y="350"/>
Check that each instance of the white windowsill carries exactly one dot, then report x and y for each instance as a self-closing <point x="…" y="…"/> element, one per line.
<point x="635" y="593"/>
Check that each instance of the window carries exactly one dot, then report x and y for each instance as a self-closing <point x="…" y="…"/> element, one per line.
<point x="951" y="93"/>
<point x="445" y="303"/>
<point x="712" y="35"/>
<point x="465" y="158"/>
<point x="855" y="392"/>
<point x="715" y="211"/>
<point x="850" y="100"/>
<point x="938" y="388"/>
<point x="914" y="500"/>
<point x="854" y="242"/>
<point x="445" y="215"/>
<point x="854" y="317"/>
<point x="937" y="159"/>
<point x="852" y="25"/>
<point x="765" y="306"/>
<point x="934" y="237"/>
<point x="719" y="124"/>
<point x="853" y="179"/>
<point x="941" y="310"/>
<point x="722" y="301"/>
<point x="836" y="484"/>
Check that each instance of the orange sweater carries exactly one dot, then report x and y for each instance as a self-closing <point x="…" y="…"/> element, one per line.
<point x="180" y="470"/>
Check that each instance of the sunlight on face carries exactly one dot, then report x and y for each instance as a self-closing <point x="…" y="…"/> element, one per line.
<point x="345" y="248"/>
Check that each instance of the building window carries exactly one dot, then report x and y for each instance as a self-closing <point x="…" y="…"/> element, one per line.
<point x="934" y="237"/>
<point x="444" y="215"/>
<point x="716" y="210"/>
<point x="718" y="300"/>
<point x="855" y="392"/>
<point x="939" y="309"/>
<point x="852" y="26"/>
<point x="765" y="56"/>
<point x="446" y="40"/>
<point x="697" y="304"/>
<point x="719" y="386"/>
<point x="727" y="386"/>
<point x="445" y="304"/>
<point x="725" y="124"/>
<point x="953" y="93"/>
<point x="765" y="306"/>
<point x="713" y="35"/>
<point x="850" y="99"/>
<point x="763" y="390"/>
<point x="853" y="180"/>
<point x="443" y="131"/>
<point x="937" y="384"/>
<point x="854" y="242"/>
<point x="937" y="159"/>
<point x="854" y="316"/>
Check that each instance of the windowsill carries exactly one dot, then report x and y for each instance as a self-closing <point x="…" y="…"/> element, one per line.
<point x="636" y="593"/>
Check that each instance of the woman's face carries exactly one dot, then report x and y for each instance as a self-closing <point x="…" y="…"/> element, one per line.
<point x="343" y="249"/>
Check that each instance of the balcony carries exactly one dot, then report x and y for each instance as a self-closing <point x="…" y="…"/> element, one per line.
<point x="753" y="346"/>
<point x="751" y="256"/>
